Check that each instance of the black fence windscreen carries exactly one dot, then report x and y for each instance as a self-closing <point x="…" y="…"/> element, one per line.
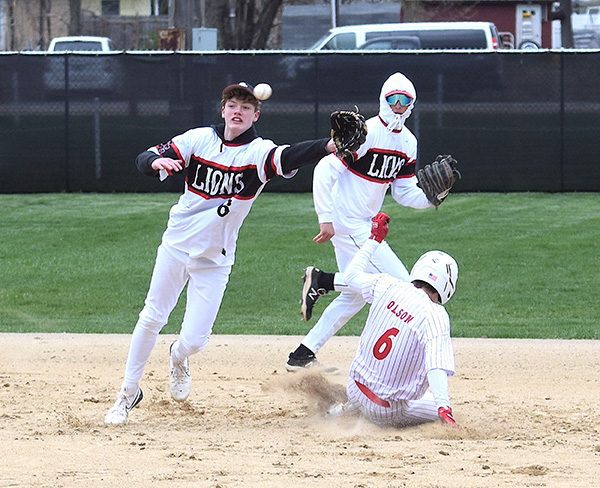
<point x="515" y="121"/>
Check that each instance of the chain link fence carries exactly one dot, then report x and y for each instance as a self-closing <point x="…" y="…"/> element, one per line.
<point x="516" y="121"/>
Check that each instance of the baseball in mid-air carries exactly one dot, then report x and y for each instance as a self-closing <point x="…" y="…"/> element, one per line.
<point x="263" y="91"/>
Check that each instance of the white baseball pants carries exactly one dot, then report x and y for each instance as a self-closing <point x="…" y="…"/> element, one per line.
<point x="206" y="283"/>
<point x="347" y="304"/>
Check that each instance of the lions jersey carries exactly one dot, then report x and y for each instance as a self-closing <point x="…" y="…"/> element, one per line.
<point x="222" y="180"/>
<point x="349" y="195"/>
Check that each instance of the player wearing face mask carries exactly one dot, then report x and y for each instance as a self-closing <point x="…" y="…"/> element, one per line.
<point x="346" y="196"/>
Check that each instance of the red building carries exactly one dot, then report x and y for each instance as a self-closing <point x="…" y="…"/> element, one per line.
<point x="530" y="23"/>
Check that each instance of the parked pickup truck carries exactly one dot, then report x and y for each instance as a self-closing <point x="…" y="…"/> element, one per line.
<point x="90" y="65"/>
<point x="81" y="43"/>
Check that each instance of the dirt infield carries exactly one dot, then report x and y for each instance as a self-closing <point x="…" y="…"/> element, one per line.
<point x="529" y="413"/>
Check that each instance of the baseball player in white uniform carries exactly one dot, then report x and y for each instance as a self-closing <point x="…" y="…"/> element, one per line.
<point x="226" y="168"/>
<point x="399" y="375"/>
<point x="346" y="196"/>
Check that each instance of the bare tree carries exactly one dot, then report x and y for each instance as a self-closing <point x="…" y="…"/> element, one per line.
<point x="12" y="22"/>
<point x="416" y="11"/>
<point x="244" y="24"/>
<point x="44" y="24"/>
<point x="270" y="12"/>
<point x="74" y="17"/>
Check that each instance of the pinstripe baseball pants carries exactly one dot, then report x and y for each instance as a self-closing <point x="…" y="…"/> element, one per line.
<point x="399" y="413"/>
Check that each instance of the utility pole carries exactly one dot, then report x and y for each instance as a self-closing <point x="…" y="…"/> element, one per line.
<point x="3" y="15"/>
<point x="564" y="13"/>
<point x="202" y="13"/>
<point x="335" y="12"/>
<point x="566" y="27"/>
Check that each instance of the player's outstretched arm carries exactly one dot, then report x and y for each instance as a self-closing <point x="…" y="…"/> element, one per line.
<point x="354" y="275"/>
<point x="438" y="384"/>
<point x="305" y="153"/>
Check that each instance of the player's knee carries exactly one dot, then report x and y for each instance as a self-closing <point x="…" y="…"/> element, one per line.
<point x="189" y="346"/>
<point x="151" y="319"/>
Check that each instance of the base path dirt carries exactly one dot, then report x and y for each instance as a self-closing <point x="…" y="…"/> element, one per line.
<point x="529" y="413"/>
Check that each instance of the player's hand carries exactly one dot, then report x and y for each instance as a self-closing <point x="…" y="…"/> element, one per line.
<point x="379" y="227"/>
<point x="169" y="165"/>
<point x="325" y="234"/>
<point x="445" y="415"/>
<point x="330" y="147"/>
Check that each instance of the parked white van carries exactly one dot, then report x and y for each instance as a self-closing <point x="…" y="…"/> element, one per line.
<point x="412" y="35"/>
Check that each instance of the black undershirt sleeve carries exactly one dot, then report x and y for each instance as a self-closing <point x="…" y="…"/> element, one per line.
<point x="145" y="159"/>
<point x="303" y="154"/>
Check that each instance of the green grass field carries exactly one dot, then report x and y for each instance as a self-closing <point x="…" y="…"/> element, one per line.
<point x="82" y="262"/>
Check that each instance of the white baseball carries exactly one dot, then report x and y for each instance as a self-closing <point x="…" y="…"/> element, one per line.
<point x="263" y="91"/>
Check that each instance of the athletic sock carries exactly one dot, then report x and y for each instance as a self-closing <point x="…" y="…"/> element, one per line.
<point x="302" y="352"/>
<point x="325" y="281"/>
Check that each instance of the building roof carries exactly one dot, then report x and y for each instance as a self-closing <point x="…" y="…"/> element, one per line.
<point x="466" y="2"/>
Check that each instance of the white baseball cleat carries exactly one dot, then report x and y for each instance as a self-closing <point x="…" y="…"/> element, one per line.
<point x="341" y="409"/>
<point x="119" y="412"/>
<point x="180" y="377"/>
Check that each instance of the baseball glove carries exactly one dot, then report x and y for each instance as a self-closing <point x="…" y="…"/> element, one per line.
<point x="348" y="131"/>
<point x="436" y="179"/>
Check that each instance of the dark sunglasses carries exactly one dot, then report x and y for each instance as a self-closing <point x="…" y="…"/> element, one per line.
<point x="404" y="100"/>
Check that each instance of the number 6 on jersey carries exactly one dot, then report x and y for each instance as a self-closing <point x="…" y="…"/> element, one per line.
<point x="383" y="346"/>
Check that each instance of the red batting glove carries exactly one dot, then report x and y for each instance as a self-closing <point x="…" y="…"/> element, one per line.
<point x="379" y="228"/>
<point x="445" y="415"/>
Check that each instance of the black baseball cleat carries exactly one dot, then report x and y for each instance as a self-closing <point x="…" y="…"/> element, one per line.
<point x="297" y="361"/>
<point x="304" y="358"/>
<point x="311" y="291"/>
